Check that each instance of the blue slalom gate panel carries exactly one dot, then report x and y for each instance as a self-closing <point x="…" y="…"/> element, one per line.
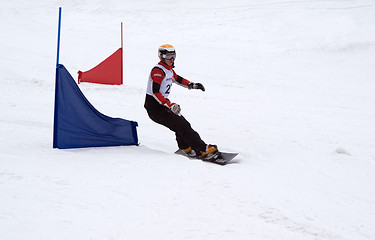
<point x="77" y="124"/>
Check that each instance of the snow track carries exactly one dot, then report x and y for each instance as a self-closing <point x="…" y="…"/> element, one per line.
<point x="289" y="85"/>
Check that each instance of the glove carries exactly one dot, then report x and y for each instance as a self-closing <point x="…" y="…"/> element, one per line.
<point x="196" y="86"/>
<point x="174" y="107"/>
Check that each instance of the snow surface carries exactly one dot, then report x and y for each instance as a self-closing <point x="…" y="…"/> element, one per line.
<point x="290" y="86"/>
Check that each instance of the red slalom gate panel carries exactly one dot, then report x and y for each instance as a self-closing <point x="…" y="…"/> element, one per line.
<point x="107" y="72"/>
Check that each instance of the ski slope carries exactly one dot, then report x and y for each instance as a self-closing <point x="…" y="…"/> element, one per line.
<point x="289" y="85"/>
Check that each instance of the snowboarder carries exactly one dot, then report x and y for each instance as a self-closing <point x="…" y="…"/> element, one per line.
<point x="162" y="111"/>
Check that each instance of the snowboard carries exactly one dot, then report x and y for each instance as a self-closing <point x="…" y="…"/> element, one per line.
<point x="221" y="158"/>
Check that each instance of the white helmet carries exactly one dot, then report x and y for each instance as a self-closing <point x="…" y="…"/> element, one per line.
<point x="166" y="51"/>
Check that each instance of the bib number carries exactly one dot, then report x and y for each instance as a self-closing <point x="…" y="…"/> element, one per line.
<point x="168" y="87"/>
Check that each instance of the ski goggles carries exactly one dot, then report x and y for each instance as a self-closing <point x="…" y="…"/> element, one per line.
<point x="169" y="56"/>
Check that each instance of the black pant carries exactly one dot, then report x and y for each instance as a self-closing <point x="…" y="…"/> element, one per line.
<point x="185" y="135"/>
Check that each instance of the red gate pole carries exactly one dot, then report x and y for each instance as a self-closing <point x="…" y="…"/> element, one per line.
<point x="122" y="54"/>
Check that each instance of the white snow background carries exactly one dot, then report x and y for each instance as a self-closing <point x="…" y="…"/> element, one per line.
<point x="290" y="86"/>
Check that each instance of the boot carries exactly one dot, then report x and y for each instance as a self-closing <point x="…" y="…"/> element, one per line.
<point x="190" y="152"/>
<point x="210" y="153"/>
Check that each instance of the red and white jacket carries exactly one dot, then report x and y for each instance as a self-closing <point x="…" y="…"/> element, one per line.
<point x="160" y="83"/>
